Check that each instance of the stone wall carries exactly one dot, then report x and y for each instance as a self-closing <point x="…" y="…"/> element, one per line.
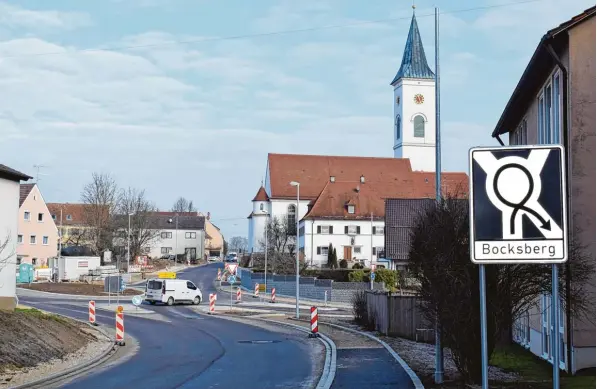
<point x="310" y="288"/>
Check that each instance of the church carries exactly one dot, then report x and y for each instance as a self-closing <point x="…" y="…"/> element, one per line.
<point x="339" y="200"/>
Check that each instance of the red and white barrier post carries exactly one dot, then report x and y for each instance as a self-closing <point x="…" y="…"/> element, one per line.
<point x="212" y="303"/>
<point x="92" y="312"/>
<point x="273" y="300"/>
<point x="256" y="293"/>
<point x="239" y="296"/>
<point x="314" y="325"/>
<point x="219" y="275"/>
<point x="119" y="329"/>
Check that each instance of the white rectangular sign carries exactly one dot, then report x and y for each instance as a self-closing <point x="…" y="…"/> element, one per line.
<point x="518" y="204"/>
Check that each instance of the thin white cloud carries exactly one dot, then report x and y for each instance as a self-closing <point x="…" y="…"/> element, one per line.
<point x="12" y="16"/>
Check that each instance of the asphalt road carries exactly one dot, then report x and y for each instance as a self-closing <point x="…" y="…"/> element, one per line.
<point x="195" y="350"/>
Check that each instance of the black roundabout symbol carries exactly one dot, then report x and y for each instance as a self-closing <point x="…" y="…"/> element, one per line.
<point x="520" y="206"/>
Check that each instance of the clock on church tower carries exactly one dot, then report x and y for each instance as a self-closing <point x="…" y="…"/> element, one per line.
<point x="419" y="99"/>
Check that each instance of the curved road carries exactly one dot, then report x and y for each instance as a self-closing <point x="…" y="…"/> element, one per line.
<point x="197" y="351"/>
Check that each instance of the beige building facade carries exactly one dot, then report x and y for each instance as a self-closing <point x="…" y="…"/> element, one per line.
<point x="554" y="103"/>
<point x="37" y="238"/>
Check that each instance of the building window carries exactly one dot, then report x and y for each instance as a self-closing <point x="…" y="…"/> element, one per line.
<point x="291" y="218"/>
<point x="261" y="207"/>
<point x="325" y="230"/>
<point x="397" y="126"/>
<point x="53" y="217"/>
<point x="166" y="235"/>
<point x="357" y="249"/>
<point x="20" y="239"/>
<point x="322" y="250"/>
<point x="44" y="240"/>
<point x="27" y="216"/>
<point x="376" y="250"/>
<point x="190" y="235"/>
<point x="378" y="230"/>
<point x="69" y="217"/>
<point x="40" y="217"/>
<point x="34" y="261"/>
<point x="352" y="230"/>
<point x="166" y="250"/>
<point x="419" y="126"/>
<point x="519" y="137"/>
<point x="549" y="115"/>
<point x="351" y="209"/>
<point x="32" y="239"/>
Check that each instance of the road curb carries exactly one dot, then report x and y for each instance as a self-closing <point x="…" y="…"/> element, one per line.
<point x="78" y="368"/>
<point x="329" y="369"/>
<point x="413" y="376"/>
<point x="76" y="296"/>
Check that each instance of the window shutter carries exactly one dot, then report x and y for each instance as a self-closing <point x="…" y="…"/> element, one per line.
<point x="319" y="232"/>
<point x="346" y="229"/>
<point x="373" y="250"/>
<point x="374" y="231"/>
<point x="318" y="249"/>
<point x="331" y="230"/>
<point x="358" y="229"/>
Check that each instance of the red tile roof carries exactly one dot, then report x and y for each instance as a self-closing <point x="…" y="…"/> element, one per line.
<point x="76" y="212"/>
<point x="25" y="189"/>
<point x="261" y="195"/>
<point x="314" y="171"/>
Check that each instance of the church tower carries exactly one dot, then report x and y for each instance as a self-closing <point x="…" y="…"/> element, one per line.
<point x="414" y="105"/>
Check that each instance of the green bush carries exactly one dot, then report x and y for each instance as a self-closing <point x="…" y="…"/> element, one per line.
<point x="344" y="264"/>
<point x="337" y="275"/>
<point x="357" y="266"/>
<point x="388" y="277"/>
<point x="358" y="276"/>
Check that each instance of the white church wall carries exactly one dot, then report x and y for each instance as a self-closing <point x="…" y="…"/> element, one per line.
<point x="339" y="239"/>
<point x="420" y="151"/>
<point x="279" y="208"/>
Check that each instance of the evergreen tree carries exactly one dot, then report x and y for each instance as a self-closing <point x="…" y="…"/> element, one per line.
<point x="330" y="256"/>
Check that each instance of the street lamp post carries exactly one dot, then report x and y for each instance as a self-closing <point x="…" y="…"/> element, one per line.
<point x="175" y="238"/>
<point x="128" y="246"/>
<point x="296" y="215"/>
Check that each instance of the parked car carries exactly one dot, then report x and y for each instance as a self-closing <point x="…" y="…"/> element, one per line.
<point x="213" y="258"/>
<point x="232" y="257"/>
<point x="172" y="291"/>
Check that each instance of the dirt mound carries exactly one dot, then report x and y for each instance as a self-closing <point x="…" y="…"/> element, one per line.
<point x="29" y="337"/>
<point x="75" y="288"/>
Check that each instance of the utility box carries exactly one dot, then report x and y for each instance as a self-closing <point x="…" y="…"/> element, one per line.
<point x="25" y="273"/>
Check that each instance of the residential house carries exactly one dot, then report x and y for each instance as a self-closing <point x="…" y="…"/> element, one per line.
<point x="554" y="103"/>
<point x="214" y="240"/>
<point x="70" y="221"/>
<point x="9" y="222"/>
<point x="176" y="234"/>
<point x="38" y="236"/>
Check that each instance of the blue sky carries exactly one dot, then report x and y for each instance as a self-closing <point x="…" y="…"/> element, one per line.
<point x="163" y="104"/>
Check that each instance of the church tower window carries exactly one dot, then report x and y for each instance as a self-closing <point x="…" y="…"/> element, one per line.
<point x="291" y="218"/>
<point x="261" y="207"/>
<point x="419" y="126"/>
<point x="397" y="126"/>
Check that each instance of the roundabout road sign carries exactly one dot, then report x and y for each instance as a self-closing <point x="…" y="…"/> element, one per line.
<point x="137" y="300"/>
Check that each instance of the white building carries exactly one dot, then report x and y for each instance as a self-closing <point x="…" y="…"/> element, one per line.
<point x="10" y="188"/>
<point x="410" y="174"/>
<point x="182" y="234"/>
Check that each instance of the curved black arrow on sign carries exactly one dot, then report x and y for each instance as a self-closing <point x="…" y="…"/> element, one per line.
<point x="545" y="224"/>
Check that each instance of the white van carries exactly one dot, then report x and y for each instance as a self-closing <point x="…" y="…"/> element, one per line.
<point x="171" y="291"/>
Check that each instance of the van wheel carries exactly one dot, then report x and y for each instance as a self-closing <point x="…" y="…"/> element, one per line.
<point x="170" y="301"/>
<point x="197" y="300"/>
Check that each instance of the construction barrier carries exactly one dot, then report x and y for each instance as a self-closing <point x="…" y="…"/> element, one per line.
<point x="212" y="302"/>
<point x="314" y="324"/>
<point x="120" y="328"/>
<point x="239" y="297"/>
<point x="273" y="295"/>
<point x="256" y="293"/>
<point x="219" y="275"/>
<point x="92" y="312"/>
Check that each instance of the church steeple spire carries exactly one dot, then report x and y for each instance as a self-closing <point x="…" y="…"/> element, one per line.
<point x="414" y="63"/>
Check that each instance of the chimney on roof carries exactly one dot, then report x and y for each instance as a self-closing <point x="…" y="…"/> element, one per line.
<point x="362" y="179"/>
<point x="208" y="215"/>
<point x="332" y="178"/>
<point x="358" y="188"/>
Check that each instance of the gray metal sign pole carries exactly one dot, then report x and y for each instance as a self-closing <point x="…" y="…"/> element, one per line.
<point x="555" y="316"/>
<point x="484" y="351"/>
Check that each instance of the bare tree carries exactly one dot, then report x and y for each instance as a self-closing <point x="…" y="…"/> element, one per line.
<point x="143" y="222"/>
<point x="184" y="205"/>
<point x="5" y="254"/>
<point x="449" y="284"/>
<point x="239" y="244"/>
<point x="280" y="247"/>
<point x="100" y="197"/>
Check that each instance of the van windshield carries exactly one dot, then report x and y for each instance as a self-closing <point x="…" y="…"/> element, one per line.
<point x="154" y="285"/>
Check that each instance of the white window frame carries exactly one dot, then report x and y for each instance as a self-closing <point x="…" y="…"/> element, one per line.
<point x="42" y="217"/>
<point x="520" y="136"/>
<point x="20" y="239"/>
<point x="27" y="216"/>
<point x="166" y="250"/>
<point x="69" y="217"/>
<point x="549" y="123"/>
<point x="166" y="235"/>
<point x="190" y="235"/>
<point x="351" y="209"/>
<point x="32" y="239"/>
<point x="326" y="248"/>
<point x="379" y="230"/>
<point x="352" y="230"/>
<point x="45" y="240"/>
<point x="355" y="248"/>
<point x="325" y="230"/>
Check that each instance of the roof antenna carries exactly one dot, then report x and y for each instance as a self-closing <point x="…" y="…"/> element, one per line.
<point x="414" y="6"/>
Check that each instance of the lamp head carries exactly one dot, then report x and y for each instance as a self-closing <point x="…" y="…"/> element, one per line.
<point x="294" y="183"/>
